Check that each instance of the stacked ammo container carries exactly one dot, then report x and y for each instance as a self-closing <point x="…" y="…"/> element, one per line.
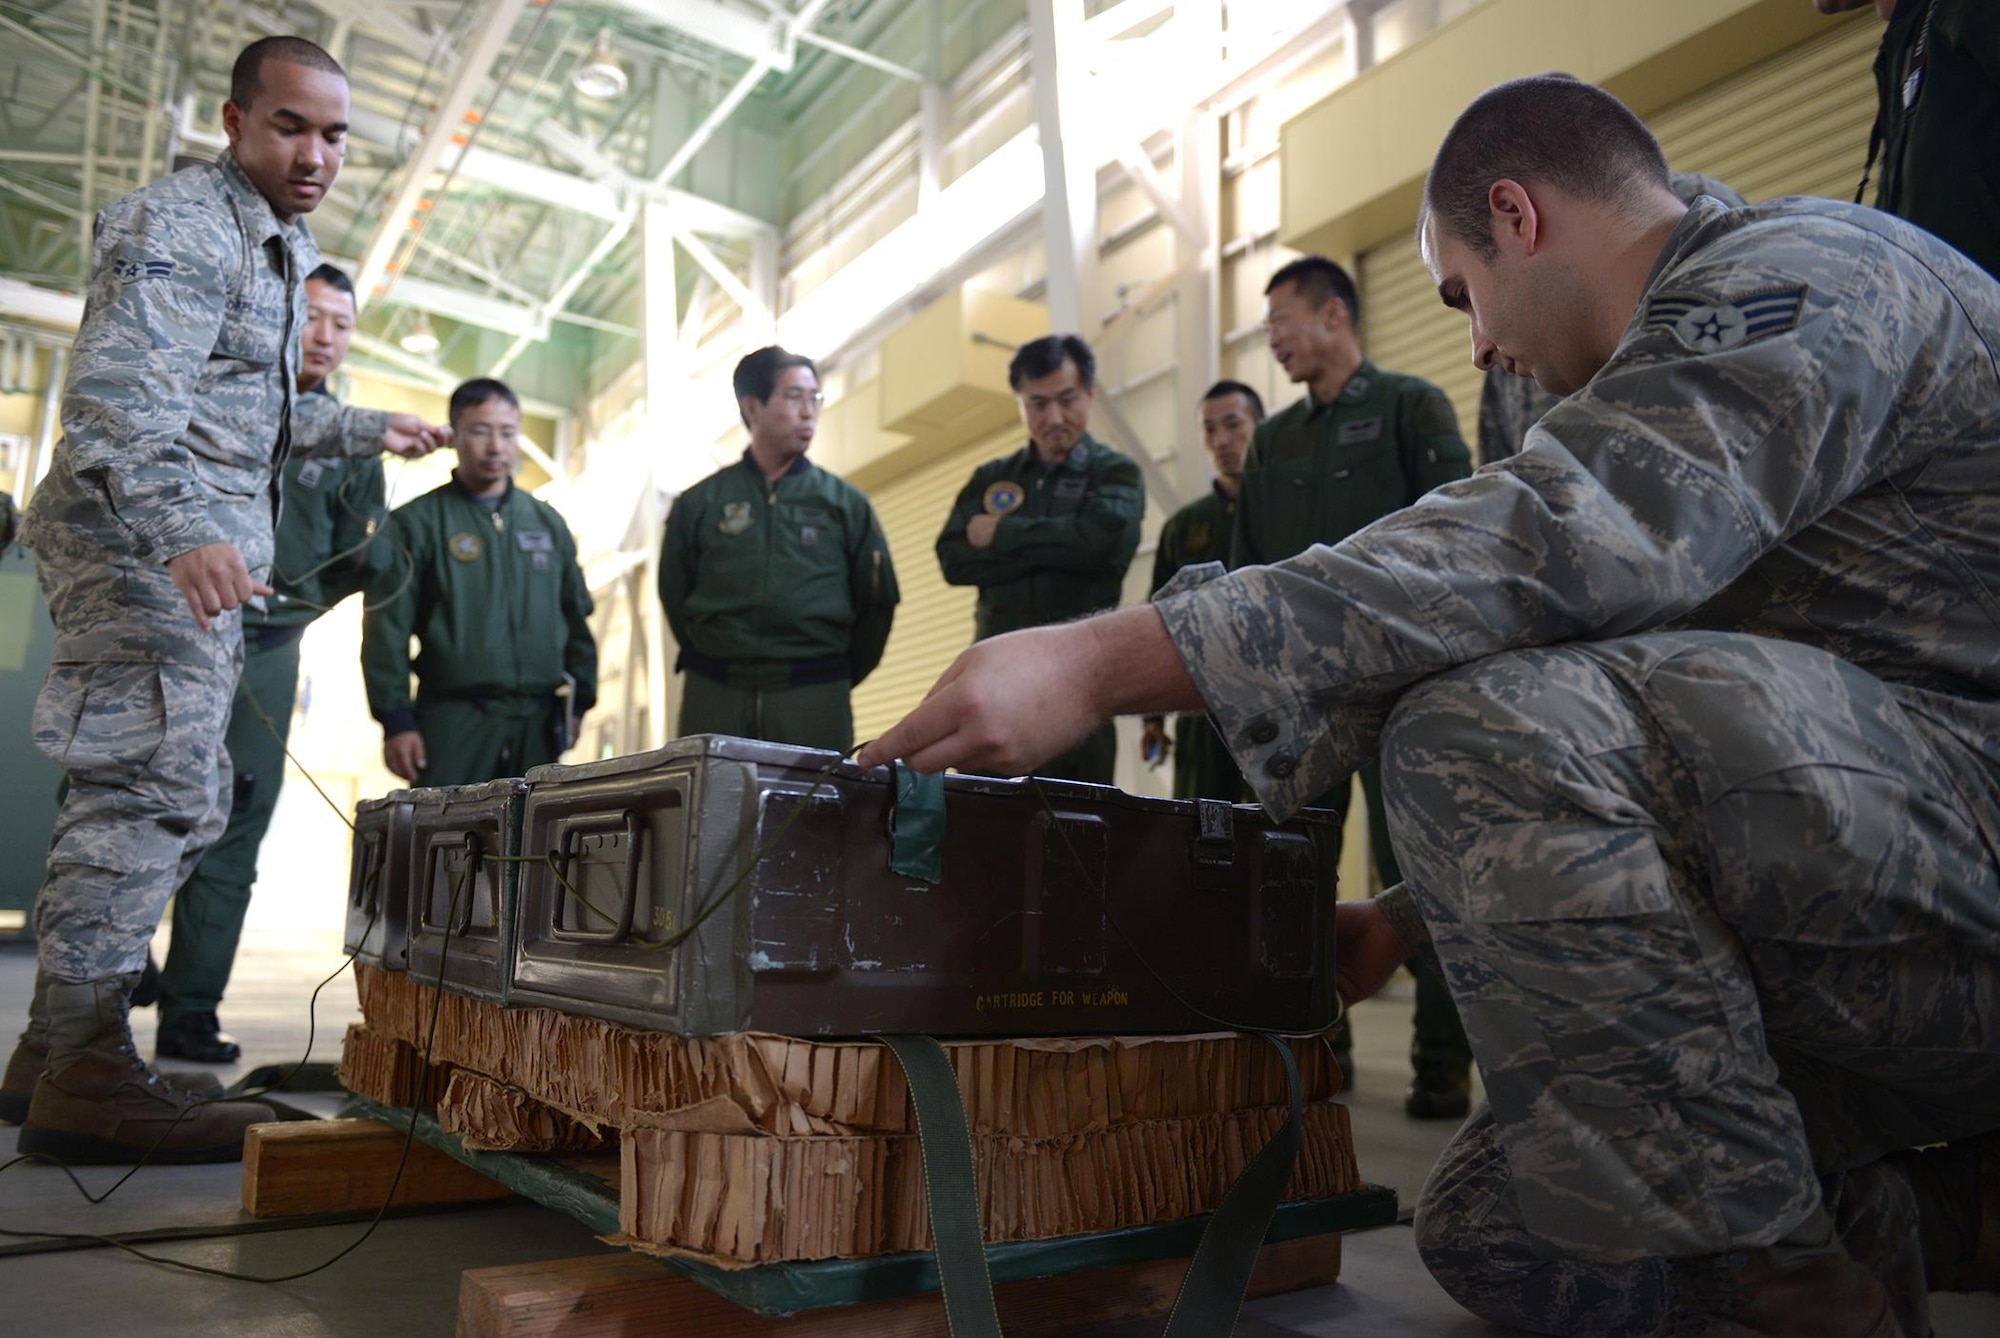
<point x="682" y="954"/>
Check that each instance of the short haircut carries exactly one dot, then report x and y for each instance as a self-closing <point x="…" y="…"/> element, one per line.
<point x="1319" y="281"/>
<point x="471" y="394"/>
<point x="334" y="276"/>
<point x="1045" y="356"/>
<point x="1224" y="389"/>
<point x="757" y="375"/>
<point x="1548" y="128"/>
<point x="246" y="79"/>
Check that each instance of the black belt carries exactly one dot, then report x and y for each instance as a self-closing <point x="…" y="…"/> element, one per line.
<point x="766" y="673"/>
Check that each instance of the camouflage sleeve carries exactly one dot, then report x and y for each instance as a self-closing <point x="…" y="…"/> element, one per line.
<point x="322" y="425"/>
<point x="1634" y="501"/>
<point x="161" y="281"/>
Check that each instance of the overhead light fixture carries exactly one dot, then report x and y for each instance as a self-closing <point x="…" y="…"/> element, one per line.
<point x="420" y="339"/>
<point x="600" y="76"/>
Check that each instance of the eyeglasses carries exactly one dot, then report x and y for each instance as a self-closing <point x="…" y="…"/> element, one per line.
<point x="797" y="395"/>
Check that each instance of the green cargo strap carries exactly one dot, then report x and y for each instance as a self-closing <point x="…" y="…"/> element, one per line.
<point x="916" y="824"/>
<point x="951" y="1191"/>
<point x="1212" y="1291"/>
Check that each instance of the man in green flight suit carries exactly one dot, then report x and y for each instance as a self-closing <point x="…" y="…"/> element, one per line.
<point x="485" y="577"/>
<point x="323" y="555"/>
<point x="775" y="576"/>
<point x="1362" y="444"/>
<point x="1199" y="532"/>
<point x="1047" y="532"/>
<point x="1937" y="120"/>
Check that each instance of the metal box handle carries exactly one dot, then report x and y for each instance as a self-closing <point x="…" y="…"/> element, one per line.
<point x="633" y="827"/>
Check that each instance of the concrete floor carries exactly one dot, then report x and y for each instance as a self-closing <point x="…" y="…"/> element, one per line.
<point x="404" y="1279"/>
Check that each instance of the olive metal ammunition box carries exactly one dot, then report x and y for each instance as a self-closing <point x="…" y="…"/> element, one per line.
<point x="378" y="882"/>
<point x="461" y="908"/>
<point x="1064" y="908"/>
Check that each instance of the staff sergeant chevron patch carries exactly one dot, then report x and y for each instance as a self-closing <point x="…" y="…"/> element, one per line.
<point x="1705" y="327"/>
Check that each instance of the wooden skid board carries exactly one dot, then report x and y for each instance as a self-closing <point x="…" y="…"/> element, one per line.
<point x="623" y="1294"/>
<point x="324" y="1166"/>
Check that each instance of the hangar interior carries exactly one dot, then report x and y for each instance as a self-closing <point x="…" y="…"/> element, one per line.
<point x="608" y="202"/>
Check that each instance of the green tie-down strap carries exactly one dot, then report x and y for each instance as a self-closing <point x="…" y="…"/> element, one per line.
<point x="916" y="824"/>
<point x="1212" y="1290"/>
<point x="951" y="1190"/>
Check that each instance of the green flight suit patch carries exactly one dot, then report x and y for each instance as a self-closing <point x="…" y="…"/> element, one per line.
<point x="466" y="546"/>
<point x="1002" y="498"/>
<point x="737" y="518"/>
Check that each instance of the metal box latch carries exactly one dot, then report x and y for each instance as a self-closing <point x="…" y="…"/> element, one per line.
<point x="1214" y="844"/>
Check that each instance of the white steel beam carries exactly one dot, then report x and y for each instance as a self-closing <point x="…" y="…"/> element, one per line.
<point x="466" y="80"/>
<point x="739" y="292"/>
<point x="382" y="20"/>
<point x="1138" y="165"/>
<point x="1069" y="166"/>
<point x="665" y="339"/>
<point x="860" y="57"/>
<point x="759" y="67"/>
<point x="754" y="37"/>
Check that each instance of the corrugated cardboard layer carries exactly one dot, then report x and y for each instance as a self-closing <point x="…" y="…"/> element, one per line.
<point x="496" y="1117"/>
<point x="749" y="1199"/>
<point x="602" y="1073"/>
<point x="390" y="1071"/>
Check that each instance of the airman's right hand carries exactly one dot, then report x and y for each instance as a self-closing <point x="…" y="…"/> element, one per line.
<point x="213" y="580"/>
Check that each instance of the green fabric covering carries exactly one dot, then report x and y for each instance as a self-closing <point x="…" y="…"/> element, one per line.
<point x="917" y="831"/>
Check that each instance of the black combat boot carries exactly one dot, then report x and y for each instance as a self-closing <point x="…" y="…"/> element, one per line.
<point x="196" y="1036"/>
<point x="1441" y="1090"/>
<point x="98" y="1102"/>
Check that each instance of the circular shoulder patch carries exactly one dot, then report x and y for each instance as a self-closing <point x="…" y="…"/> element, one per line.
<point x="1003" y="497"/>
<point x="466" y="546"/>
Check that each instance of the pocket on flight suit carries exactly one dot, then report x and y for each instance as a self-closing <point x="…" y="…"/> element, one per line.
<point x="1599" y="949"/>
<point x="101" y="723"/>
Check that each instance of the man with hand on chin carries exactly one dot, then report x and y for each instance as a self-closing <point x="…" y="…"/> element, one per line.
<point x="1687" y="715"/>
<point x="484" y="576"/>
<point x="152" y="531"/>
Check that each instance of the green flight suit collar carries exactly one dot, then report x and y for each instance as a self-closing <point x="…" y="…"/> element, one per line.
<point x="799" y="465"/>
<point x="1357" y="388"/>
<point x="1078" y="460"/>
<point x="465" y="493"/>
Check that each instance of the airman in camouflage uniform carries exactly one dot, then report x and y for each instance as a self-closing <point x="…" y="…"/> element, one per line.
<point x="1690" y="715"/>
<point x="154" y="516"/>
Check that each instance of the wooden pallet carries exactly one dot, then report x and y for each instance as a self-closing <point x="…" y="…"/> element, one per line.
<point x="620" y="1294"/>
<point x="1043" y="1287"/>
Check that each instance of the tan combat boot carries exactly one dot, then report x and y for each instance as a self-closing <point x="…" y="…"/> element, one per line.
<point x="98" y="1102"/>
<point x="31" y="1056"/>
<point x="1825" y="1296"/>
